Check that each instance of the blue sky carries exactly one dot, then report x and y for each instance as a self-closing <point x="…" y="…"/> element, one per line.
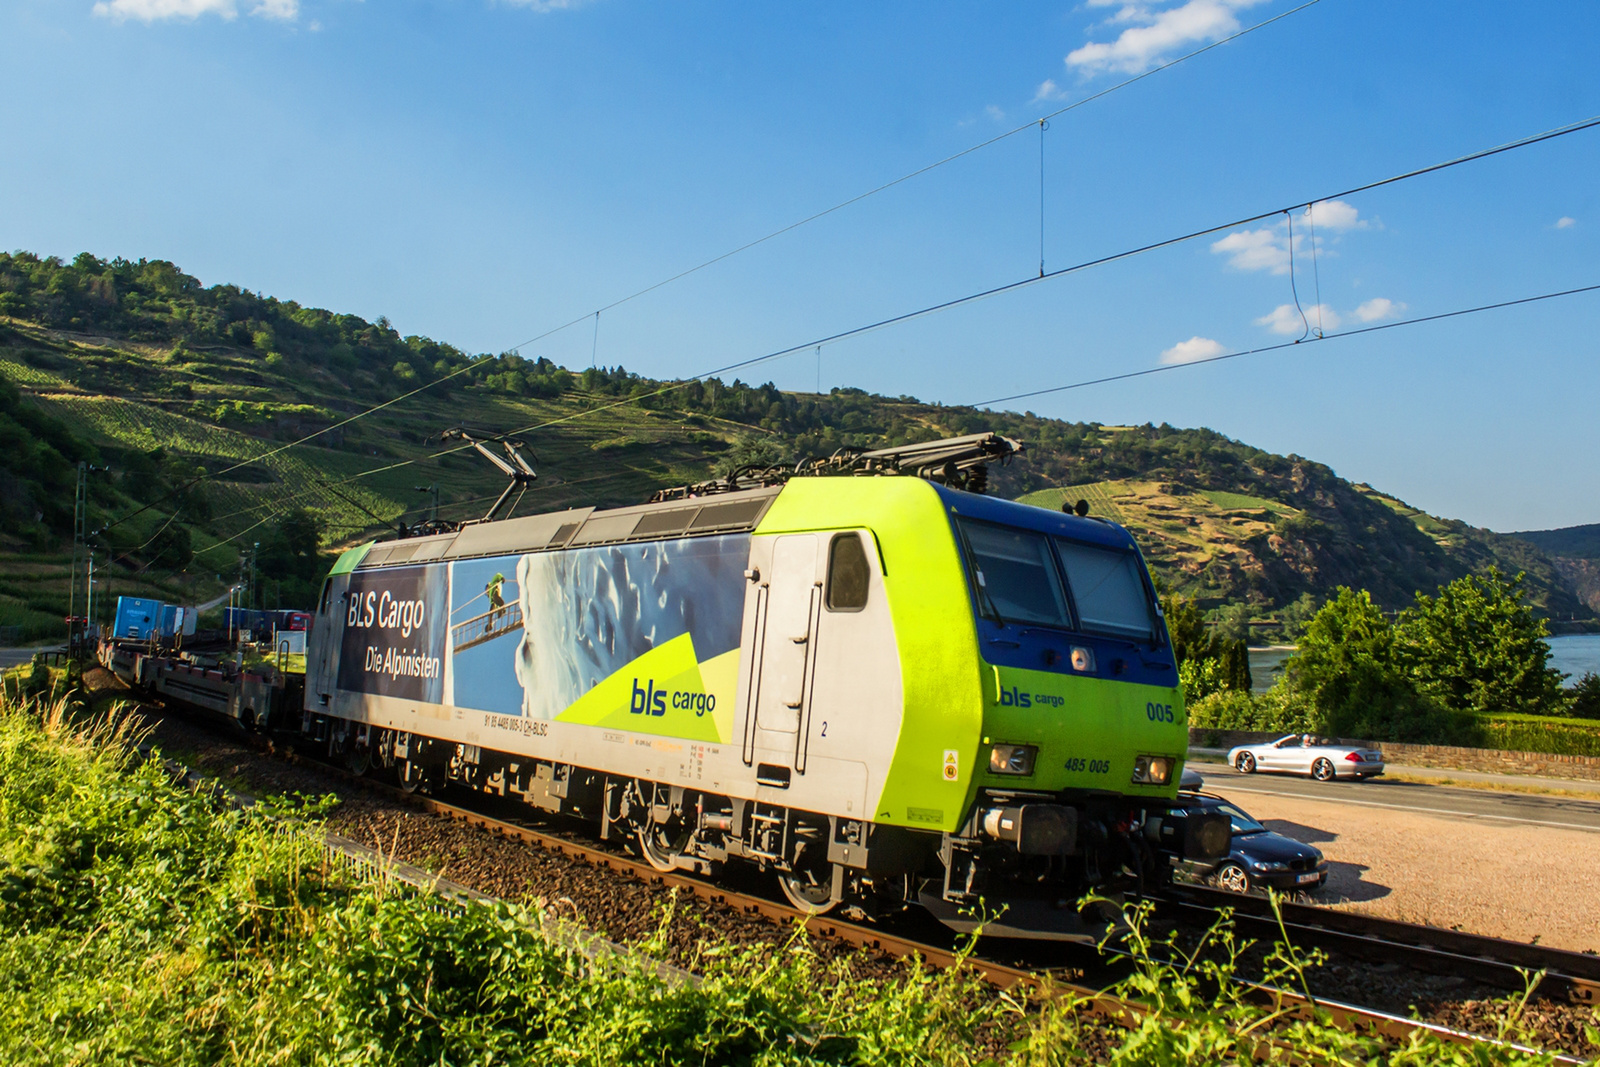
<point x="483" y="170"/>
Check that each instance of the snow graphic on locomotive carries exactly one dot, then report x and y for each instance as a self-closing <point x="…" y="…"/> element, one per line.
<point x="573" y="619"/>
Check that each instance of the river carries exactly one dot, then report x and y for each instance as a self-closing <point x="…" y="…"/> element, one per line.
<point x="1572" y="654"/>
<point x="1575" y="655"/>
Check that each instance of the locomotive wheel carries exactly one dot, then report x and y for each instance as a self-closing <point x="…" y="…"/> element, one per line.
<point x="341" y="740"/>
<point x="662" y="843"/>
<point x="358" y="760"/>
<point x="810" y="890"/>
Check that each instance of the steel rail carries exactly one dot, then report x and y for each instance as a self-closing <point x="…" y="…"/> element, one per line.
<point x="1573" y="976"/>
<point x="1039" y="981"/>
<point x="1047" y="982"/>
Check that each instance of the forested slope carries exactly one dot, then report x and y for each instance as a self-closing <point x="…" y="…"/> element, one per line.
<point x="139" y="368"/>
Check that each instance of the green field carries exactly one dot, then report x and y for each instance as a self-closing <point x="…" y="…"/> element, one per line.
<point x="1100" y="495"/>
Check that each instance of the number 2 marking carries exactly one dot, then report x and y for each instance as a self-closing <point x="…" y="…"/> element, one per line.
<point x="824" y="727"/>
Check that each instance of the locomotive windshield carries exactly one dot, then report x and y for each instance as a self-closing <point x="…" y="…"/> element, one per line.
<point x="1016" y="575"/>
<point x="1026" y="577"/>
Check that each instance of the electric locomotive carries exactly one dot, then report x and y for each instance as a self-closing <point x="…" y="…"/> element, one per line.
<point x="890" y="690"/>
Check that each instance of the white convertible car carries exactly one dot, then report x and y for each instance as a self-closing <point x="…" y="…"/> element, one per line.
<point x="1305" y="754"/>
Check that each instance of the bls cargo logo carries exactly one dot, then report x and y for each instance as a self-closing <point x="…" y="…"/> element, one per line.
<point x="392" y="646"/>
<point x="1012" y="697"/>
<point x="653" y="701"/>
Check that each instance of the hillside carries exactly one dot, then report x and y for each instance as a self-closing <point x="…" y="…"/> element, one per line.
<point x="1575" y="552"/>
<point x="137" y="367"/>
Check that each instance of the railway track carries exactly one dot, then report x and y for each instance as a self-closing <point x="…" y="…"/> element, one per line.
<point x="1572" y="977"/>
<point x="1381" y="940"/>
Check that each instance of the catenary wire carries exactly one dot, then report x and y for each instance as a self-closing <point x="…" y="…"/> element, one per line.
<point x="996" y="139"/>
<point x="970" y="298"/>
<point x="1290" y="344"/>
<point x="1042" y="122"/>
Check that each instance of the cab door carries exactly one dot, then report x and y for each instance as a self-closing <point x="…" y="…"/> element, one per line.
<point x="788" y="599"/>
<point x="327" y="628"/>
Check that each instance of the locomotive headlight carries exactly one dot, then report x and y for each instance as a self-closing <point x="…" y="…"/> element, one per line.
<point x="1012" y="759"/>
<point x="1082" y="658"/>
<point x="1153" y="770"/>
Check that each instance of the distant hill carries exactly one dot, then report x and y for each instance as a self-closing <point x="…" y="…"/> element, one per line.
<point x="1574" y="542"/>
<point x="1575" y="553"/>
<point x="139" y="368"/>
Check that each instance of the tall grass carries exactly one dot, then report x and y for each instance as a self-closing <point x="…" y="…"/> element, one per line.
<point x="144" y="922"/>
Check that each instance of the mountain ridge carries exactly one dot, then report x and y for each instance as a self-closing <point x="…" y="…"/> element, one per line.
<point x="138" y="367"/>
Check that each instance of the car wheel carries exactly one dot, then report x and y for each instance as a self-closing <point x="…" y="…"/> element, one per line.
<point x="1231" y="877"/>
<point x="1246" y="763"/>
<point x="1322" y="770"/>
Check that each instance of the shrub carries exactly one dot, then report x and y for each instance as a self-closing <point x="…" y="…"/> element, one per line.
<point x="1585" y="697"/>
<point x="1279" y="711"/>
<point x="1540" y="733"/>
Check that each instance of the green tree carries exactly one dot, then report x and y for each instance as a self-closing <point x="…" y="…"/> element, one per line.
<point x="290" y="556"/>
<point x="752" y="450"/>
<point x="171" y="548"/>
<point x="1476" y="647"/>
<point x="1297" y="615"/>
<point x="1346" y="667"/>
<point x="1208" y="661"/>
<point x="1586" y="697"/>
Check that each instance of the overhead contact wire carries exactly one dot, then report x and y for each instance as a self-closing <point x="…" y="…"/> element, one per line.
<point x="1290" y="344"/>
<point x="970" y="298"/>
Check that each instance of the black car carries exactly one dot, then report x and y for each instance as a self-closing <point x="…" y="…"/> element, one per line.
<point x="1259" y="858"/>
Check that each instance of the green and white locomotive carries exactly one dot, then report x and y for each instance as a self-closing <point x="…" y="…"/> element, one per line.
<point x="885" y="689"/>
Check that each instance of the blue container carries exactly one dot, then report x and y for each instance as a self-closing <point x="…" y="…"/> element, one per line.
<point x="173" y="620"/>
<point x="137" y="618"/>
<point x="259" y="623"/>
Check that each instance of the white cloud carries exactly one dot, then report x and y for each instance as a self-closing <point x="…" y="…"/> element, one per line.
<point x="1379" y="308"/>
<point x="1268" y="248"/>
<point x="1565" y="222"/>
<point x="1336" y="215"/>
<point x="155" y="10"/>
<point x="544" y="7"/>
<point x="1255" y="250"/>
<point x="995" y="113"/>
<point x="1048" y="90"/>
<point x="1192" y="349"/>
<point x="1285" y="319"/>
<point x="1153" y="32"/>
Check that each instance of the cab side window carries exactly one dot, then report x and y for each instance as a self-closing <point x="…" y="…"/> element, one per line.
<point x="848" y="577"/>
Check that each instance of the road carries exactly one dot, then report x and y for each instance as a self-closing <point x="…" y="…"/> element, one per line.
<point x="10" y="657"/>
<point x="1484" y="805"/>
<point x="1493" y="862"/>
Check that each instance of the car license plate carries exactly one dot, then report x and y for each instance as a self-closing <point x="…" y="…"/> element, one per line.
<point x="1304" y="878"/>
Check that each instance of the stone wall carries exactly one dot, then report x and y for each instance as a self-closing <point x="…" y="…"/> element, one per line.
<point x="1448" y="757"/>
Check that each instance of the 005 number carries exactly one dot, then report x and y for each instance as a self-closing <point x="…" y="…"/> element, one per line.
<point x="1159" y="712"/>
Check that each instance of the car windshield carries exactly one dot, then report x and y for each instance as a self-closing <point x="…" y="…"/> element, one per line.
<point x="1242" y="823"/>
<point x="1024" y="576"/>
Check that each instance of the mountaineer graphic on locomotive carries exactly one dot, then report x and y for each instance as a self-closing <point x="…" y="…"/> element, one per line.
<point x="887" y="689"/>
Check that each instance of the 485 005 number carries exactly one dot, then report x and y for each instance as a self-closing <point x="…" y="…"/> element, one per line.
<point x="1093" y="766"/>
